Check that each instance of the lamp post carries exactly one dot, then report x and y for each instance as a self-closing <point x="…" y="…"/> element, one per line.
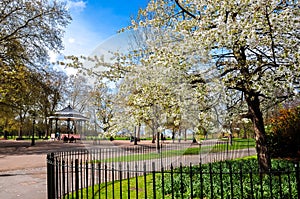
<point x="33" y="123"/>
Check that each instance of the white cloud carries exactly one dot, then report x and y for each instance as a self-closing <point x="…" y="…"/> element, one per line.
<point x="76" y="6"/>
<point x="79" y="40"/>
<point x="71" y="40"/>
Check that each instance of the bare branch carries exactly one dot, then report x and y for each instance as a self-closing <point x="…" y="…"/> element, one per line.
<point x="185" y="10"/>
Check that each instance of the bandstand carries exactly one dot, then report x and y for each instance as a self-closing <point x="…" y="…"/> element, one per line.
<point x="72" y="120"/>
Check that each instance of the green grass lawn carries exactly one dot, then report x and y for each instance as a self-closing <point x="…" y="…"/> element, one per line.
<point x="192" y="150"/>
<point x="138" y="187"/>
<point x="150" y="184"/>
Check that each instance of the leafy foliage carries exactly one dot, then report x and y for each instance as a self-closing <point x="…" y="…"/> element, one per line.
<point x="29" y="29"/>
<point x="231" y="179"/>
<point x="283" y="137"/>
<point x="23" y="90"/>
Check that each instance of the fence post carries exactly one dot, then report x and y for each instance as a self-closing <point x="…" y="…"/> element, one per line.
<point x="136" y="181"/>
<point x="153" y="180"/>
<point x="50" y="176"/>
<point x="191" y="180"/>
<point x="227" y="150"/>
<point x="63" y="174"/>
<point x="297" y="179"/>
<point x="77" y="178"/>
<point x="172" y="181"/>
<point x="211" y="181"/>
<point x="181" y="181"/>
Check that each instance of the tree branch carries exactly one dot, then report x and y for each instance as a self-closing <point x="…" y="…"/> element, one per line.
<point x="185" y="10"/>
<point x="20" y="27"/>
<point x="271" y="36"/>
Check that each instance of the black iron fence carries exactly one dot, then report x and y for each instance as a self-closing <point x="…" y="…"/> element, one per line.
<point x="170" y="172"/>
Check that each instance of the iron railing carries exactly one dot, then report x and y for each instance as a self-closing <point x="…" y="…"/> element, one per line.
<point x="143" y="172"/>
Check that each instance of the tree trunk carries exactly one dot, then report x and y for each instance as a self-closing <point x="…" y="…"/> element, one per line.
<point x="135" y="136"/>
<point x="173" y="135"/>
<point x="245" y="132"/>
<point x="153" y="132"/>
<point x="48" y="129"/>
<point x="157" y="142"/>
<point x="21" y="128"/>
<point x="263" y="156"/>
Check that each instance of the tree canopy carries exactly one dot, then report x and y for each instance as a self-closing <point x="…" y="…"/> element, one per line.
<point x="241" y="54"/>
<point x="253" y="46"/>
<point x="30" y="29"/>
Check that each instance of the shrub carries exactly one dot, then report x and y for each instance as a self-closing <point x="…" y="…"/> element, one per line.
<point x="284" y="134"/>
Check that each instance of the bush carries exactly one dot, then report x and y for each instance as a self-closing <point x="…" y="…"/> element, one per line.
<point x="283" y="136"/>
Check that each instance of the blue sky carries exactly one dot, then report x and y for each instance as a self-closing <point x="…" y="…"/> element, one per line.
<point x="94" y="21"/>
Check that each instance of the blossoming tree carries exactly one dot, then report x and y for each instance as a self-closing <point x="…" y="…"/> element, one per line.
<point x="251" y="45"/>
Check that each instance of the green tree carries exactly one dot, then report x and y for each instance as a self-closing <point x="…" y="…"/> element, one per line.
<point x="30" y="29"/>
<point x="50" y="86"/>
<point x="20" y="93"/>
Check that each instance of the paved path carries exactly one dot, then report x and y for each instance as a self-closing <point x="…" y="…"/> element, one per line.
<point x="25" y="184"/>
<point x="23" y="167"/>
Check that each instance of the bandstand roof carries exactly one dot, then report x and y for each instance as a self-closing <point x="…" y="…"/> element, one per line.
<point x="69" y="114"/>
